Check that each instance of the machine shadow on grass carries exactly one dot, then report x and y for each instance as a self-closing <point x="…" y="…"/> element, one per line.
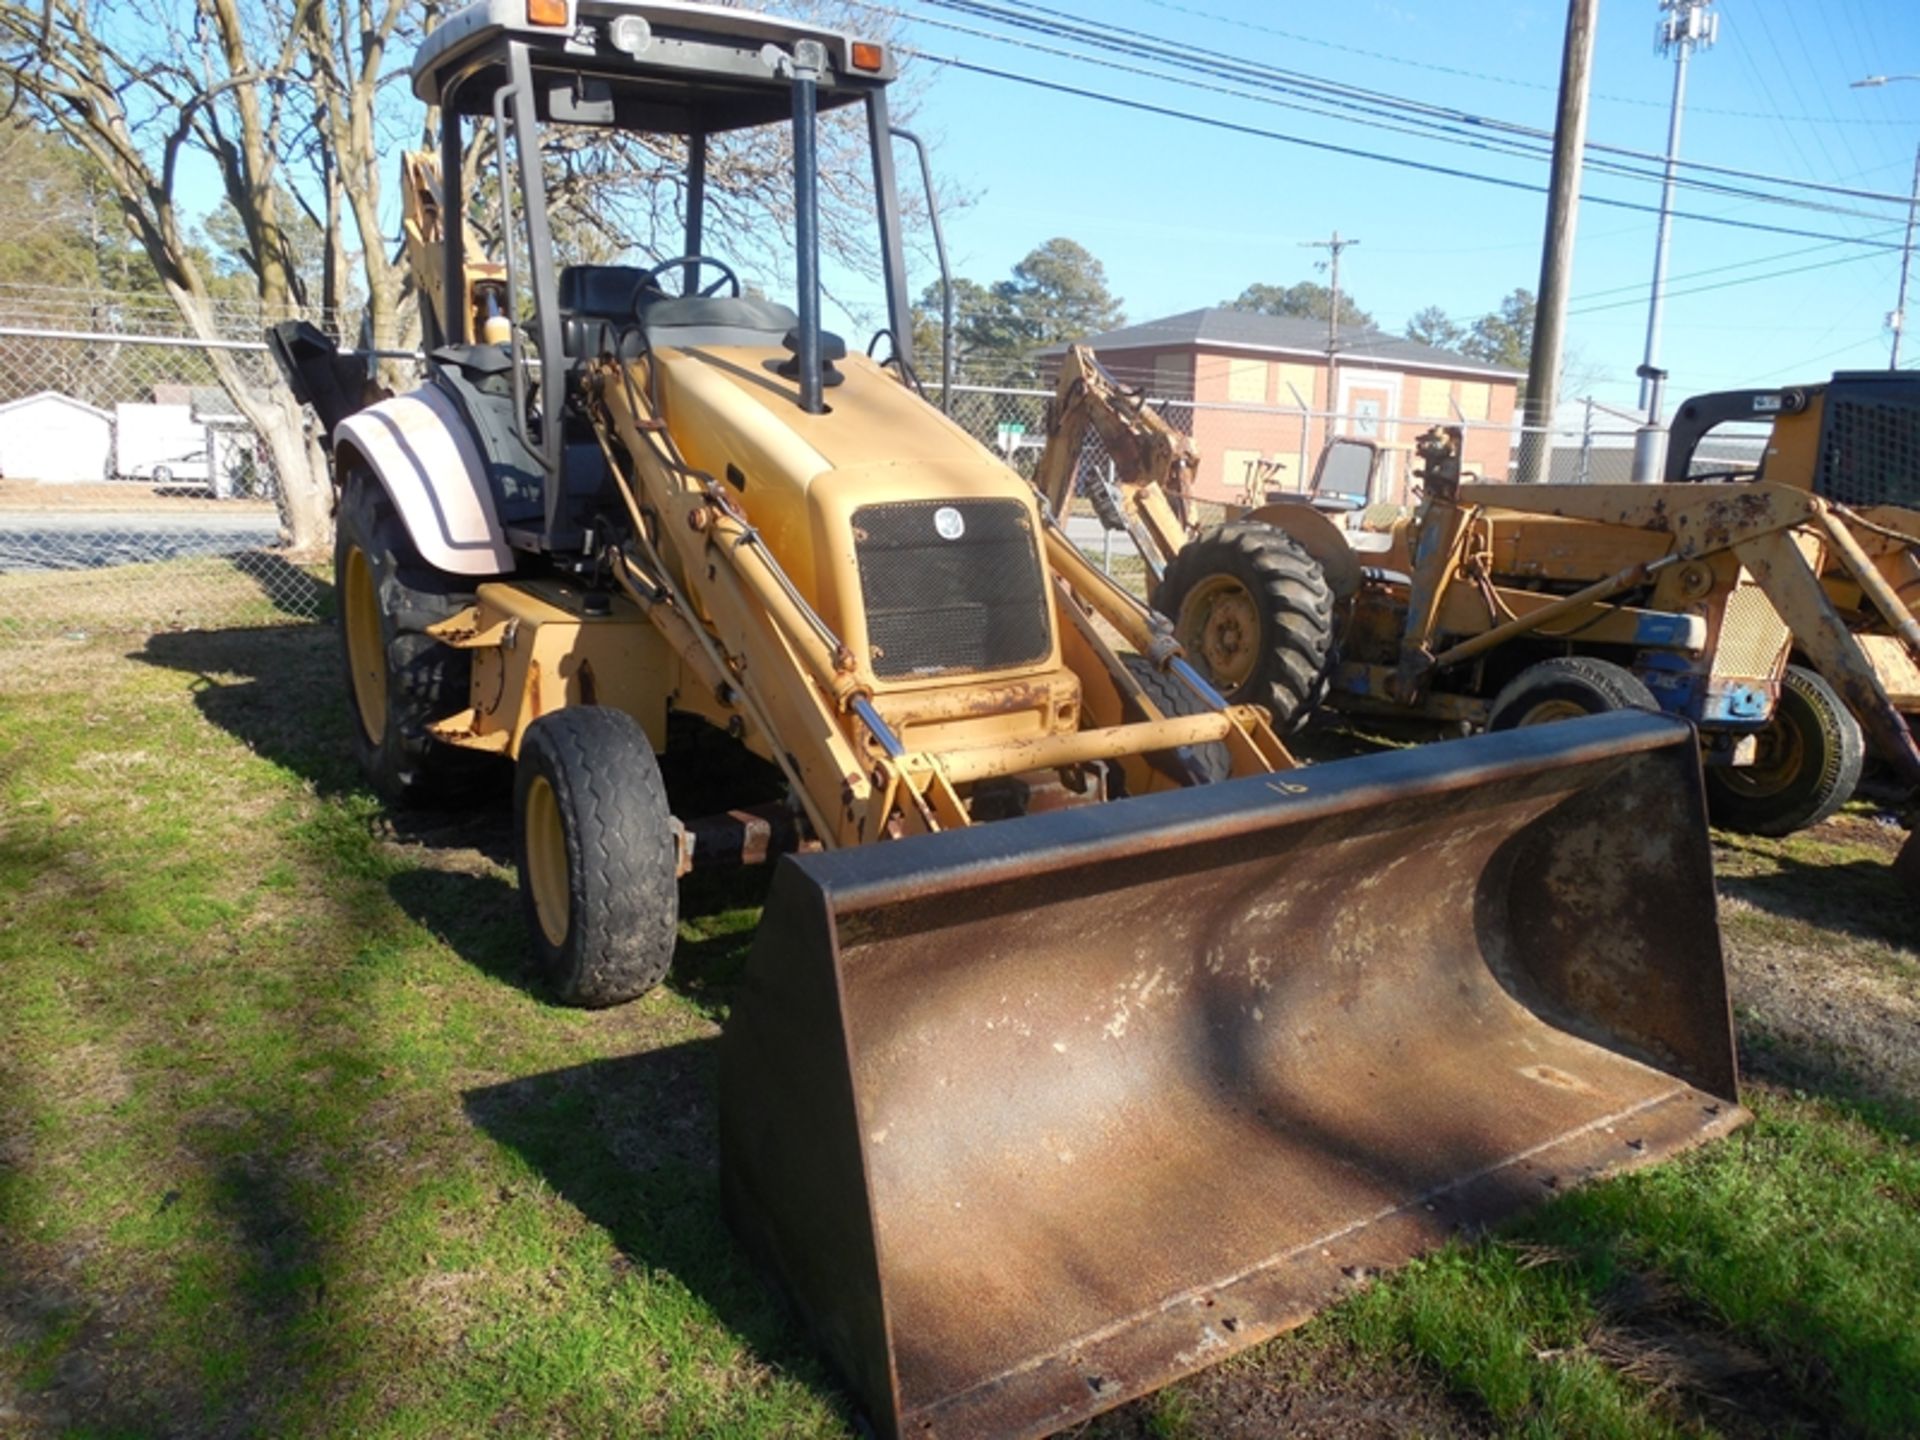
<point x="293" y="589"/>
<point x="109" y="1357"/>
<point x="632" y="1143"/>
<point x="278" y="689"/>
<point x="1859" y="896"/>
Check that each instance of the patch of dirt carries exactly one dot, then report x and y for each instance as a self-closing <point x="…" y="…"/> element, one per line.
<point x="1812" y="1016"/>
<point x="1823" y="954"/>
<point x="1307" y="1384"/>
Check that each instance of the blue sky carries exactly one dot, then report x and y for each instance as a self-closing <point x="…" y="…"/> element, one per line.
<point x="1182" y="215"/>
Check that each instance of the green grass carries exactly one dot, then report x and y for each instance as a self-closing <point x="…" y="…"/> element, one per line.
<point x="291" y="1144"/>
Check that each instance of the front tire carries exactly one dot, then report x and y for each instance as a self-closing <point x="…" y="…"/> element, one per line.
<point x="1254" y="613"/>
<point x="399" y="679"/>
<point x="594" y="840"/>
<point x="1811" y="753"/>
<point x="1213" y="760"/>
<point x="1566" y="688"/>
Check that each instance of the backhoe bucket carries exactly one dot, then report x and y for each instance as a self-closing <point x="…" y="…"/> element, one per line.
<point x="1034" y="1117"/>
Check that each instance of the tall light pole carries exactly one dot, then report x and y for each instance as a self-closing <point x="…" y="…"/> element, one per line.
<point x="1897" y="321"/>
<point x="1685" y="26"/>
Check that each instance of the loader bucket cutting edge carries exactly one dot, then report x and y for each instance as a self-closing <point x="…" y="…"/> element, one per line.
<point x="1035" y="1117"/>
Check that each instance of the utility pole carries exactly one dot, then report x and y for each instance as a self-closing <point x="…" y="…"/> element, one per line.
<point x="1897" y="321"/>
<point x="1556" y="257"/>
<point x="1685" y="26"/>
<point x="1333" y="248"/>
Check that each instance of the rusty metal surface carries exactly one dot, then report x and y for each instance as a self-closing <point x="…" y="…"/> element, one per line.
<point x="736" y="837"/>
<point x="1036" y="1117"/>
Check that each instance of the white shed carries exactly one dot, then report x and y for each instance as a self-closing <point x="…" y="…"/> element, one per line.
<point x="54" y="439"/>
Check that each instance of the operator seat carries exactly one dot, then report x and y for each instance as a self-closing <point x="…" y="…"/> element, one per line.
<point x="597" y="304"/>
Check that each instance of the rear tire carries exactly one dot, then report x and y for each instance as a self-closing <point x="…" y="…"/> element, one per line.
<point x="593" y="837"/>
<point x="1255" y="614"/>
<point x="399" y="679"/>
<point x="1811" y="753"/>
<point x="1566" y="688"/>
<point x="1174" y="700"/>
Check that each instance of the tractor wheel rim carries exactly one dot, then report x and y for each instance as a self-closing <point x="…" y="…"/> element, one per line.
<point x="1548" y="711"/>
<point x="1782" y="756"/>
<point x="1220" y="627"/>
<point x="366" y="654"/>
<point x="547" y="860"/>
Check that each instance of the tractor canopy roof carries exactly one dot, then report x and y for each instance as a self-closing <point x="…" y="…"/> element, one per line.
<point x="661" y="66"/>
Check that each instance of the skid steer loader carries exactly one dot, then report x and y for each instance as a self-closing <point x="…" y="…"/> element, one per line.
<point x="1054" y="1072"/>
<point x="1760" y="607"/>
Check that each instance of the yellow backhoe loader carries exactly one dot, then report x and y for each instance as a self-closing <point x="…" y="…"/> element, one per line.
<point x="1085" y="1040"/>
<point x="1762" y="607"/>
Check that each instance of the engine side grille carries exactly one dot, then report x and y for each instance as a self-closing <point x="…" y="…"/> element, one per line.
<point x="1753" y="637"/>
<point x="1870" y="448"/>
<point x="976" y="601"/>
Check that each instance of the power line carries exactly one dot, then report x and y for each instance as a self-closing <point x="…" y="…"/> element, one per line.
<point x="1727" y="284"/>
<point x="1482" y="131"/>
<point x="1639" y="287"/>
<point x="1436" y="69"/>
<point x="1356" y="153"/>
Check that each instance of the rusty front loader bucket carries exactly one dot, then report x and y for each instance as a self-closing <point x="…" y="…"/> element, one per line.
<point x="1035" y="1117"/>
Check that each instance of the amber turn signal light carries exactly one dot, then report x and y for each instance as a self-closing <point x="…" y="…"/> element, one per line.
<point x="867" y="55"/>
<point x="547" y="12"/>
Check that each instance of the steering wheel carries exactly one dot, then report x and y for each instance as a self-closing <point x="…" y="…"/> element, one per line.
<point x="689" y="266"/>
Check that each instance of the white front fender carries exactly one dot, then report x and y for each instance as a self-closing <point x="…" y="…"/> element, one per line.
<point x="419" y="447"/>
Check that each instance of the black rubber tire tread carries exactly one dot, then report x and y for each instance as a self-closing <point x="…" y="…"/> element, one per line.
<point x="623" y="899"/>
<point x="1596" y="685"/>
<point x="1834" y="742"/>
<point x="426" y="680"/>
<point x="1174" y="700"/>
<point x="1295" y="603"/>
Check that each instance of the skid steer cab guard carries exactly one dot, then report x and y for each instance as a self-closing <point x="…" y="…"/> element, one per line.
<point x="1038" y="1117"/>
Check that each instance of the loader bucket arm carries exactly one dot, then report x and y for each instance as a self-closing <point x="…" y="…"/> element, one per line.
<point x="1154" y="464"/>
<point x="1032" y="1118"/>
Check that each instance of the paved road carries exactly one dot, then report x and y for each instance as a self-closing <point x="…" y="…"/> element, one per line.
<point x="1086" y="531"/>
<point x="91" y="539"/>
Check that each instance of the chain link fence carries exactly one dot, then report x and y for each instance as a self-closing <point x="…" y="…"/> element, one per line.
<point x="134" y="494"/>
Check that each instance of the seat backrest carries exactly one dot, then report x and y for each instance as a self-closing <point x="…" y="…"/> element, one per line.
<point x="592" y="297"/>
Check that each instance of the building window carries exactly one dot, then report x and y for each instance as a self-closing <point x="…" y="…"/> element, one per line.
<point x="1296" y="385"/>
<point x="1474" y="400"/>
<point x="1247" y="382"/>
<point x="1173" y="377"/>
<point x="1434" y="395"/>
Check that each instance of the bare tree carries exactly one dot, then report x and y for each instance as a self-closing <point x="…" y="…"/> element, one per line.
<point x="348" y="60"/>
<point x="300" y="105"/>
<point x="140" y="94"/>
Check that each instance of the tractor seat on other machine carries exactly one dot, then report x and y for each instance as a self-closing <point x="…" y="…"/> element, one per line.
<point x="597" y="304"/>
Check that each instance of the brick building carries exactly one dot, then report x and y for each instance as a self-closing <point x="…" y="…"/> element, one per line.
<point x="1252" y="376"/>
